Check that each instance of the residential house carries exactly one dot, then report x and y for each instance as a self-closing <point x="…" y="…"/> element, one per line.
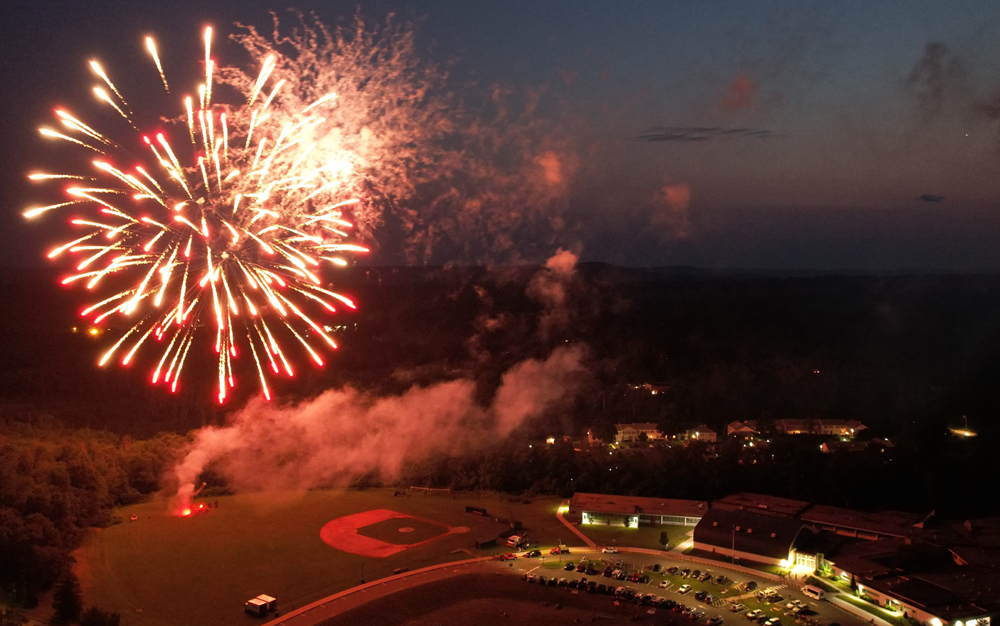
<point x="630" y="433"/>
<point x="743" y="430"/>
<point x="701" y="432"/>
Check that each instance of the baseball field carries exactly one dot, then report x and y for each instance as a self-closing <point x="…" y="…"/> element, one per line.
<point x="165" y="570"/>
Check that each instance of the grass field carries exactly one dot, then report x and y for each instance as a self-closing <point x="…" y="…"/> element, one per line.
<point x="166" y="570"/>
<point x="643" y="537"/>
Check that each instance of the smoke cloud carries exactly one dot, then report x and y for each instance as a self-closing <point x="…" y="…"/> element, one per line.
<point x="934" y="77"/>
<point x="549" y="287"/>
<point x="739" y="96"/>
<point x="345" y="433"/>
<point x="671" y="217"/>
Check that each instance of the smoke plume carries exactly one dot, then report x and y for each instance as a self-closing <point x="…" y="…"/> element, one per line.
<point x="549" y="287"/>
<point x="345" y="433"/>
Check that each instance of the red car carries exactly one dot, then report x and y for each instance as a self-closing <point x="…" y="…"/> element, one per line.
<point x="510" y="556"/>
<point x="559" y="551"/>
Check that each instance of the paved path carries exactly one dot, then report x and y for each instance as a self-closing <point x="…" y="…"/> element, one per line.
<point x="587" y="540"/>
<point x="356" y="596"/>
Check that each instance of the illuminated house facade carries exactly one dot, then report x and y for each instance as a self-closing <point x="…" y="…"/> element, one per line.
<point x="629" y="433"/>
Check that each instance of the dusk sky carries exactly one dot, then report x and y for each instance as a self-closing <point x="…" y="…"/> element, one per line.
<point x="784" y="135"/>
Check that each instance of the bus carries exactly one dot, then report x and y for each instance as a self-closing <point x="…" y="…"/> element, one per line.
<point x="812" y="592"/>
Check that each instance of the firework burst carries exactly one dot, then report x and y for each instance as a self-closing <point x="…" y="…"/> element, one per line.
<point x="225" y="225"/>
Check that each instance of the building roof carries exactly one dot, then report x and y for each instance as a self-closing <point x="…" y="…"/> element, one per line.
<point x="630" y="505"/>
<point x="763" y="535"/>
<point x="823" y="542"/>
<point x="759" y="503"/>
<point x="702" y="428"/>
<point x="638" y="426"/>
<point x="893" y="523"/>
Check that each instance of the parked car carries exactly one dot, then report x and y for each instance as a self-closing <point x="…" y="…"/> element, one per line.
<point x="559" y="550"/>
<point x="696" y="573"/>
<point x="553" y="582"/>
<point x="709" y="599"/>
<point x="685" y="573"/>
<point x="644" y="579"/>
<point x="774" y="621"/>
<point x="533" y="553"/>
<point x="697" y="615"/>
<point x="700" y="595"/>
<point x="574" y="583"/>
<point x="794" y="603"/>
<point x="581" y="568"/>
<point x="715" y="620"/>
<point x="736" y="608"/>
<point x="672" y="571"/>
<point x="679" y="608"/>
<point x="663" y="584"/>
<point x="608" y="571"/>
<point x="753" y="615"/>
<point x="705" y="576"/>
<point x="610" y="550"/>
<point x="601" y="588"/>
<point x="563" y="582"/>
<point x="542" y="580"/>
<point x="721" y="580"/>
<point x="684" y="589"/>
<point x="570" y="566"/>
<point x="530" y="578"/>
<point x="669" y="604"/>
<point x="524" y="577"/>
<point x="656" y="567"/>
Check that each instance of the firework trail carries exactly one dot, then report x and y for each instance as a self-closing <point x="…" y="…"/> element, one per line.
<point x="223" y="224"/>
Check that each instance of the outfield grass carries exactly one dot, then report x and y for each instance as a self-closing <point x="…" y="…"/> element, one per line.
<point x="167" y="570"/>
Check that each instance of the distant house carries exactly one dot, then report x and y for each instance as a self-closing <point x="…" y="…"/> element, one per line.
<point x="827" y="427"/>
<point x="629" y="433"/>
<point x="794" y="427"/>
<point x="743" y="430"/>
<point x="656" y="388"/>
<point x="701" y="432"/>
<point x="839" y="428"/>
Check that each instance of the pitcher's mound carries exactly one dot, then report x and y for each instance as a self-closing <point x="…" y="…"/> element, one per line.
<point x="381" y="532"/>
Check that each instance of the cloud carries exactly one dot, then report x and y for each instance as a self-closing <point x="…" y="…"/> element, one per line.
<point x="931" y="198"/>
<point x="739" y="96"/>
<point x="345" y="433"/>
<point x="682" y="134"/>
<point x="670" y="217"/>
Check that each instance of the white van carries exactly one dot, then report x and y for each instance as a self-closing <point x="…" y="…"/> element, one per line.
<point x="514" y="541"/>
<point x="812" y="592"/>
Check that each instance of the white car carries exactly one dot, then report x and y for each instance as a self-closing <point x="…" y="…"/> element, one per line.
<point x="663" y="584"/>
<point x="610" y="550"/>
<point x="684" y="589"/>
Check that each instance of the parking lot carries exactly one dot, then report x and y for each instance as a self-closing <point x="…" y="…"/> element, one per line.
<point x="661" y="589"/>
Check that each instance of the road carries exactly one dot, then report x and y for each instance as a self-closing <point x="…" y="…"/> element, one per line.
<point x="337" y="604"/>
